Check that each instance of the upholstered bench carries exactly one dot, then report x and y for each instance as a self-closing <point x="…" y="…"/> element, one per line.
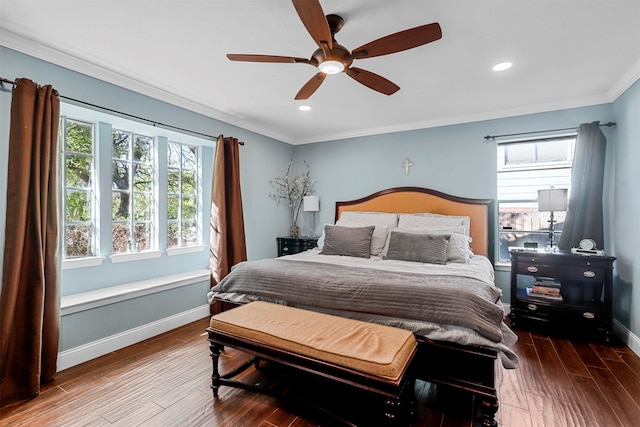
<point x="369" y="356"/>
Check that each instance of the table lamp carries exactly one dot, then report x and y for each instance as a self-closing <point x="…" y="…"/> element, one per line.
<point x="552" y="200"/>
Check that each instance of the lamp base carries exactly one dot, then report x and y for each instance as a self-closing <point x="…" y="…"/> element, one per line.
<point x="312" y="227"/>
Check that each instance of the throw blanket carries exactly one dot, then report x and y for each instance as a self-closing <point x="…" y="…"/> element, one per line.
<point x="445" y="300"/>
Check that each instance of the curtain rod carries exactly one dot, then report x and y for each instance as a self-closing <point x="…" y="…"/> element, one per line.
<point x="153" y="122"/>
<point x="488" y="137"/>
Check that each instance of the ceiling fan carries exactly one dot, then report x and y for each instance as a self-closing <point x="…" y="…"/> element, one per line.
<point x="332" y="58"/>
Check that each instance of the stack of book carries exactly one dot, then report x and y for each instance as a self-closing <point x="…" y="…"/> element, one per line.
<point x="545" y="288"/>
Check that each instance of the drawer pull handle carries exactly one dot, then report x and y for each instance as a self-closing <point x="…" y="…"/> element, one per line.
<point x="532" y="307"/>
<point x="532" y="269"/>
<point x="589" y="274"/>
<point x="285" y="249"/>
<point x="588" y="315"/>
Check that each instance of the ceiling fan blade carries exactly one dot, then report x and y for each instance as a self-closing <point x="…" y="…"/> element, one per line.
<point x="265" y="58"/>
<point x="372" y="80"/>
<point x="310" y="87"/>
<point x="397" y="42"/>
<point x="312" y="16"/>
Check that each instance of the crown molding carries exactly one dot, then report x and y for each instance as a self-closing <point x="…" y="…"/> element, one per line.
<point x="461" y="119"/>
<point x="625" y="82"/>
<point x="93" y="69"/>
<point x="60" y="57"/>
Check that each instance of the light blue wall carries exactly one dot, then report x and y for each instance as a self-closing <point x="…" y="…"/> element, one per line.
<point x="261" y="159"/>
<point x="453" y="159"/>
<point x="626" y="208"/>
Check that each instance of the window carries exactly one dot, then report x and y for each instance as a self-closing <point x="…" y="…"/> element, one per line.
<point x="79" y="220"/>
<point x="127" y="188"/>
<point x="182" y="194"/>
<point x="524" y="167"/>
<point x="132" y="192"/>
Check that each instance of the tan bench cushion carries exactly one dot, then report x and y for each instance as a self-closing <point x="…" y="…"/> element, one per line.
<point x="366" y="347"/>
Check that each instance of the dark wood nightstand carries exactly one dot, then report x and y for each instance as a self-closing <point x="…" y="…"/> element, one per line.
<point x="290" y="245"/>
<point x="585" y="284"/>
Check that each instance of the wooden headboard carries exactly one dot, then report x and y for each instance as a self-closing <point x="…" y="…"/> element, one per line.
<point x="417" y="199"/>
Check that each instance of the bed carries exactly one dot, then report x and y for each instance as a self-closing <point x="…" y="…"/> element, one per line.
<point x="431" y="273"/>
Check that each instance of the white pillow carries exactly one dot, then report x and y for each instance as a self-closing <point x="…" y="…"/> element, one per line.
<point x="320" y="242"/>
<point x="463" y="220"/>
<point x="458" y="250"/>
<point x="371" y="218"/>
<point x="383" y="223"/>
<point x="439" y="222"/>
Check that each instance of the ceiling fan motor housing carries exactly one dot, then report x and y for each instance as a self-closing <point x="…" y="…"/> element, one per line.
<point x="338" y="53"/>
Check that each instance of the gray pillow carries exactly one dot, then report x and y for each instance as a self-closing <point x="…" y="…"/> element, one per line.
<point x="416" y="247"/>
<point x="347" y="241"/>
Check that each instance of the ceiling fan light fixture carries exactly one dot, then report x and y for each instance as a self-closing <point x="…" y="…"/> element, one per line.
<point x="331" y="66"/>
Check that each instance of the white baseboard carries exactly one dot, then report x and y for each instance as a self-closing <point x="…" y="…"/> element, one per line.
<point x="92" y="350"/>
<point x="626" y="336"/>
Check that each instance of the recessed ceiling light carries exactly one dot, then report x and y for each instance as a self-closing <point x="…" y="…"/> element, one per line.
<point x="502" y="66"/>
<point x="304" y="108"/>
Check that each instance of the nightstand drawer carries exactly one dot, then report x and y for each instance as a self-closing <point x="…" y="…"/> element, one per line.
<point x="534" y="309"/>
<point x="534" y="269"/>
<point x="561" y="272"/>
<point x="290" y="246"/>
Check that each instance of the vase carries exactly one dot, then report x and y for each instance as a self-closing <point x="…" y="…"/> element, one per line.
<point x="295" y="231"/>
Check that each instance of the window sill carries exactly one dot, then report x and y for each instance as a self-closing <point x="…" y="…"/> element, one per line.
<point x="88" y="300"/>
<point x="179" y="250"/>
<point x="71" y="263"/>
<point x="502" y="266"/>
<point x="135" y="256"/>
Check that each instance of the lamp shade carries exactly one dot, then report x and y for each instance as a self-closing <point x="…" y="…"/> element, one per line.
<point x="311" y="204"/>
<point x="552" y="200"/>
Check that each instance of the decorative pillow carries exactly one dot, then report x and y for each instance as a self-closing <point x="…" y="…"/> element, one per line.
<point x="382" y="221"/>
<point x="347" y="241"/>
<point x="418" y="247"/>
<point x="378" y="239"/>
<point x="431" y="222"/>
<point x="458" y="250"/>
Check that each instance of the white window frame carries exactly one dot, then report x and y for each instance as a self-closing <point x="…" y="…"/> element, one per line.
<point x="526" y="179"/>
<point x="103" y="190"/>
<point x="179" y="220"/>
<point x="132" y="192"/>
<point x="91" y="189"/>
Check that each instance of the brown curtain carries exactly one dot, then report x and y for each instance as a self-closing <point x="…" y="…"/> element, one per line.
<point x="30" y="298"/>
<point x="584" y="218"/>
<point x="228" y="246"/>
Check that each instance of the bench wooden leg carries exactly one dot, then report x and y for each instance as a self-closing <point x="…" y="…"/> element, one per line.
<point x="215" y="350"/>
<point x="402" y="408"/>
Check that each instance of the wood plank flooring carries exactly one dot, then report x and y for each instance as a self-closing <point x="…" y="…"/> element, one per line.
<point x="164" y="381"/>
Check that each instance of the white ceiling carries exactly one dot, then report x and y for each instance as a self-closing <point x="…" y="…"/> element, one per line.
<point x="566" y="53"/>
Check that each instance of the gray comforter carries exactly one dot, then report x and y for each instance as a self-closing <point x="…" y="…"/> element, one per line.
<point x="413" y="301"/>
